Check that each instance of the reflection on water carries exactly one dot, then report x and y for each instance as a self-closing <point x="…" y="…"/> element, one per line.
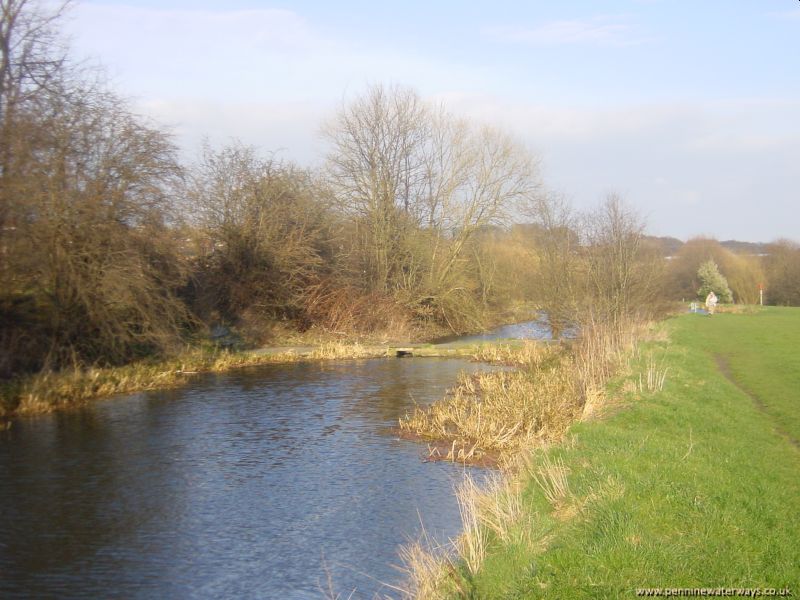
<point x="250" y="484"/>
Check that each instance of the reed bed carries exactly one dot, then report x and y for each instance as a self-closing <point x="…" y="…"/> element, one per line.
<point x="53" y="390"/>
<point x="431" y="571"/>
<point x="510" y="413"/>
<point x="528" y="354"/>
<point x="339" y="351"/>
<point x="502" y="411"/>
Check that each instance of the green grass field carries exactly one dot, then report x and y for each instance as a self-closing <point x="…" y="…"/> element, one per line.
<point x="695" y="486"/>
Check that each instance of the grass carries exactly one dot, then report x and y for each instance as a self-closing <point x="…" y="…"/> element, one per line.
<point x="692" y="482"/>
<point x="499" y="415"/>
<point x="762" y="352"/>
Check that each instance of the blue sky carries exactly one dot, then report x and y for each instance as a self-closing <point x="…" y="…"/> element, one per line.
<point x="690" y="110"/>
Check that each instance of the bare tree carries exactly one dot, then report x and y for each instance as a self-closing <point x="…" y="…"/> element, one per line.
<point x="93" y="249"/>
<point x="32" y="55"/>
<point x="623" y="280"/>
<point x="782" y="267"/>
<point x="90" y="270"/>
<point x="32" y="61"/>
<point x="560" y="265"/>
<point x="375" y="168"/>
<point x="421" y="183"/>
<point x="473" y="178"/>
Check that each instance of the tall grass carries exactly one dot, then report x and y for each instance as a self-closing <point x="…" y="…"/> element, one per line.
<point x="490" y="511"/>
<point x="653" y="377"/>
<point x="431" y="571"/>
<point x="551" y="476"/>
<point x="603" y="349"/>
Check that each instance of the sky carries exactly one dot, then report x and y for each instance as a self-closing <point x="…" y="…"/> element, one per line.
<point x="689" y="110"/>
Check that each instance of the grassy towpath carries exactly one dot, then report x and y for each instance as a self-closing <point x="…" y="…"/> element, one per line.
<point x="694" y="486"/>
<point x="761" y="354"/>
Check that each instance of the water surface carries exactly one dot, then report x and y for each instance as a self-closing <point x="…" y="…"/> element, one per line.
<point x="528" y="330"/>
<point x="262" y="482"/>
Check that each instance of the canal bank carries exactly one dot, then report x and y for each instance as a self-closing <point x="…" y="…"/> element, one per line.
<point x="64" y="390"/>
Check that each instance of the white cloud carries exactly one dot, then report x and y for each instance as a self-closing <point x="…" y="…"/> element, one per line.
<point x="206" y="31"/>
<point x="289" y="128"/>
<point x="578" y="123"/>
<point x="267" y="77"/>
<point x="726" y="168"/>
<point x="600" y="31"/>
<point x="790" y="15"/>
<point x="241" y="56"/>
<point x="270" y="77"/>
<point x="179" y="52"/>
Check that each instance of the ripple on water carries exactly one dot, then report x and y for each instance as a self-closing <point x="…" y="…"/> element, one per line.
<point x="252" y="483"/>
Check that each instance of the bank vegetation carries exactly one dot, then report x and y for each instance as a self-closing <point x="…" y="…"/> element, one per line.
<point x="115" y="252"/>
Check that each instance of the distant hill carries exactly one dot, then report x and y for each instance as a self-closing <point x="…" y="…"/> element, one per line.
<point x="669" y="246"/>
<point x="745" y="247"/>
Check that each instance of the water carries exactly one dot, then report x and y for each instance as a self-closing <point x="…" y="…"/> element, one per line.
<point x="249" y="484"/>
<point x="528" y="330"/>
<point x="263" y="482"/>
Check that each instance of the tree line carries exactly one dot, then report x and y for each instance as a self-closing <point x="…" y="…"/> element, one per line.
<point x="775" y="270"/>
<point x="112" y="249"/>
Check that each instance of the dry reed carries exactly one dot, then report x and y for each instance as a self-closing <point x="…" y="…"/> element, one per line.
<point x="491" y="510"/>
<point x="52" y="390"/>
<point x="654" y="376"/>
<point x="503" y="411"/>
<point x="338" y="351"/>
<point x="551" y="476"/>
<point x="527" y="354"/>
<point x="431" y="570"/>
<point x="471" y="544"/>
